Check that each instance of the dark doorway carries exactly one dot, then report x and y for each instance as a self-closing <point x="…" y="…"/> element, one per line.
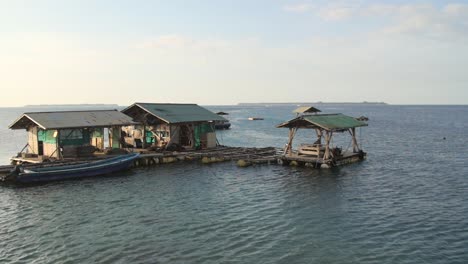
<point x="40" y="148"/>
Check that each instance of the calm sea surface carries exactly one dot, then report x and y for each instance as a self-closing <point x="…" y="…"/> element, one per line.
<point x="407" y="203"/>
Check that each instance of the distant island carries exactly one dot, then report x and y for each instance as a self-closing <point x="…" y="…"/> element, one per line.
<point x="311" y="103"/>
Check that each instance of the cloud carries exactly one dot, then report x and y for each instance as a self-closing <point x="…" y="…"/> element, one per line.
<point x="298" y="8"/>
<point x="456" y="10"/>
<point x="449" y="21"/>
<point x="337" y="13"/>
<point x="427" y="20"/>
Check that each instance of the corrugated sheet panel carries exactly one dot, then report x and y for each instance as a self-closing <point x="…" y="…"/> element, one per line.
<point x="328" y="121"/>
<point x="180" y="113"/>
<point x="306" y="109"/>
<point x="335" y="121"/>
<point x="73" y="119"/>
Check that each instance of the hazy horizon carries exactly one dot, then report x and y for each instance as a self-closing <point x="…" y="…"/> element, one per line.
<point x="236" y="104"/>
<point x="222" y="53"/>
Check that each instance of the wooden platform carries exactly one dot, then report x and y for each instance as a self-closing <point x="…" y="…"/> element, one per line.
<point x="218" y="154"/>
<point x="243" y="155"/>
<point x="319" y="162"/>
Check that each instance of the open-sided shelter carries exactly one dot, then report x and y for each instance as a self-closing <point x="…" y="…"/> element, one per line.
<point x="71" y="133"/>
<point x="187" y="125"/>
<point x="325" y="126"/>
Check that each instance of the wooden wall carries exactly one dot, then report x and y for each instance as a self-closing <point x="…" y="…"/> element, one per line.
<point x="32" y="140"/>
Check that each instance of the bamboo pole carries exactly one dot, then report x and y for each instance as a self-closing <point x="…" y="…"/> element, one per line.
<point x="328" y="137"/>
<point x="319" y="135"/>
<point x="352" y="131"/>
<point x="288" y="148"/>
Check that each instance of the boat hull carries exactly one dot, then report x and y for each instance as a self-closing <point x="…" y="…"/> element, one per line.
<point x="223" y="126"/>
<point x="78" y="171"/>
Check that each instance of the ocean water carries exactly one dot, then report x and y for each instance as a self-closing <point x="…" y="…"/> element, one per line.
<point x="407" y="203"/>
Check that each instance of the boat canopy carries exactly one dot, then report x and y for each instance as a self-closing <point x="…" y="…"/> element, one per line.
<point x="330" y="122"/>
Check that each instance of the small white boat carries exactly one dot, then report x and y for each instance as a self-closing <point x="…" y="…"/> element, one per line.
<point x="255" y="118"/>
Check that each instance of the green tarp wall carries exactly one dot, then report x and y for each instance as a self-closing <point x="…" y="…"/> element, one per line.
<point x="46" y="136"/>
<point x="64" y="141"/>
<point x="199" y="130"/>
<point x="115" y="137"/>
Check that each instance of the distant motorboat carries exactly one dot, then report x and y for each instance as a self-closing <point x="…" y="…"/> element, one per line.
<point x="255" y="118"/>
<point x="224" y="124"/>
<point x="362" y="118"/>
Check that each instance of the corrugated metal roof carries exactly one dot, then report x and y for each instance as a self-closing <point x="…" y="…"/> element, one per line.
<point x="73" y="119"/>
<point x="328" y="122"/>
<point x="306" y="109"/>
<point x="178" y="113"/>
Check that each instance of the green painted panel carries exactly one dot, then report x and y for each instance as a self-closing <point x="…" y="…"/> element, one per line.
<point x="46" y="136"/>
<point x="115" y="138"/>
<point x="149" y="137"/>
<point x="97" y="132"/>
<point x="200" y="130"/>
<point x="74" y="137"/>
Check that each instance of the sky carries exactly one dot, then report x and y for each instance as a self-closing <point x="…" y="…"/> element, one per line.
<point x="229" y="51"/>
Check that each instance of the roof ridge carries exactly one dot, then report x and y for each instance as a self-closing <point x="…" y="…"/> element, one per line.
<point x="72" y="111"/>
<point x="166" y="103"/>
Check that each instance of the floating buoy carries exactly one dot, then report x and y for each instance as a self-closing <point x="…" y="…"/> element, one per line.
<point x="243" y="163"/>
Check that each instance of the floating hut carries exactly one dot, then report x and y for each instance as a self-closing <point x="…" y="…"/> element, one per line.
<point x="63" y="134"/>
<point x="321" y="153"/>
<point x="171" y="126"/>
<point x="304" y="110"/>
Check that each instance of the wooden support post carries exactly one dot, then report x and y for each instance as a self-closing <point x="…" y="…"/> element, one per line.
<point x="143" y="143"/>
<point x="319" y="135"/>
<point x="288" y="148"/>
<point x="354" y="140"/>
<point x="59" y="151"/>
<point x="328" y="137"/>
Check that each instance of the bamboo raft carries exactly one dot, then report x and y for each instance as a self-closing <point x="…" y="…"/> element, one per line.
<point x="244" y="157"/>
<point x="147" y="158"/>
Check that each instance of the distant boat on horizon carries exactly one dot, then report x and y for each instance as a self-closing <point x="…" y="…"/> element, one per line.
<point x="225" y="124"/>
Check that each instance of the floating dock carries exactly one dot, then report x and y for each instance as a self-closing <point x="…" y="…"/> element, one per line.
<point x="147" y="158"/>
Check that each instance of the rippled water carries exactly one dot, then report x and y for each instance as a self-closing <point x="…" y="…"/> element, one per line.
<point x="406" y="204"/>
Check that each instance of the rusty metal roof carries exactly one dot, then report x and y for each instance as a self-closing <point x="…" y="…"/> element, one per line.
<point x="72" y="119"/>
<point x="177" y="113"/>
<point x="331" y="122"/>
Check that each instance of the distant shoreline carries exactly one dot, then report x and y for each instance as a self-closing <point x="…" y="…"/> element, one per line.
<point x="313" y="103"/>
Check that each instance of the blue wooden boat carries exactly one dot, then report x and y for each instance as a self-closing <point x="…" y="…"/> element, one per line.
<point x="89" y="169"/>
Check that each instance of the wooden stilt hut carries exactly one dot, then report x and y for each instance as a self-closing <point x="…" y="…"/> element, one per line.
<point x="321" y="152"/>
<point x="166" y="126"/>
<point x="69" y="134"/>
